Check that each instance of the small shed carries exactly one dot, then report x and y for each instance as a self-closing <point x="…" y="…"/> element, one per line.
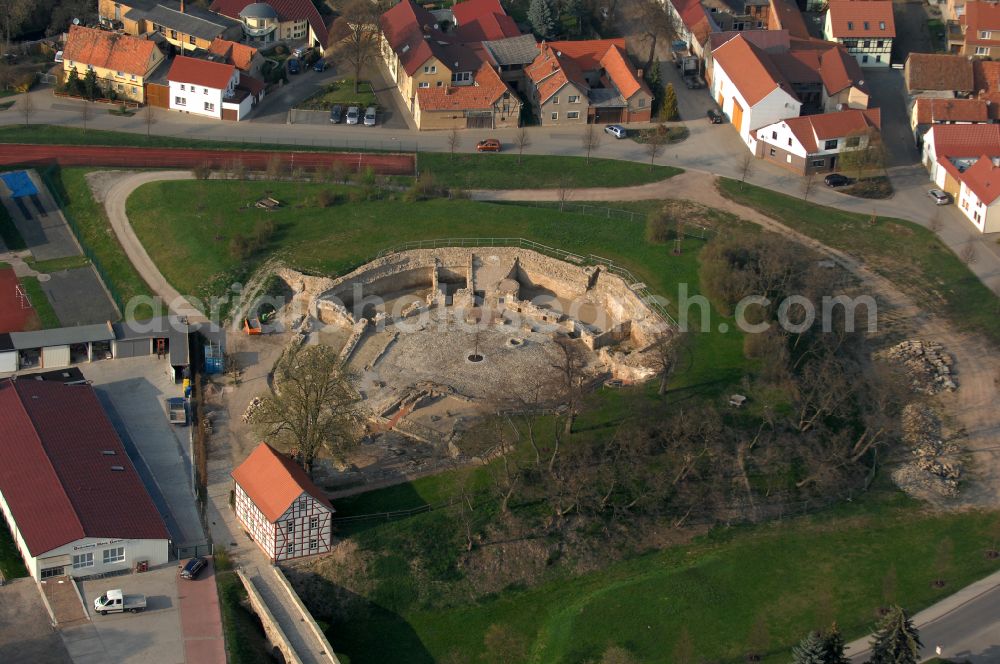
<point x="61" y="346"/>
<point x="8" y="354"/>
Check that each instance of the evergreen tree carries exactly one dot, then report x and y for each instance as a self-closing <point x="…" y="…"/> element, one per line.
<point x="73" y="82"/>
<point x="811" y="650"/>
<point x="578" y="11"/>
<point x="669" y="110"/>
<point x="896" y="640"/>
<point x="90" y="87"/>
<point x="540" y="17"/>
<point x="833" y="646"/>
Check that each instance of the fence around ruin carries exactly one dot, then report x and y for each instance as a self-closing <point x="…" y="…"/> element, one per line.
<point x="635" y="285"/>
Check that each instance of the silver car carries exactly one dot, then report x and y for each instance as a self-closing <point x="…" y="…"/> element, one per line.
<point x="353" y="114"/>
<point x="940" y="197"/>
<point x="370" y="116"/>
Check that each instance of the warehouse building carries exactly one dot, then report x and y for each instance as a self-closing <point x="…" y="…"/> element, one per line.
<point x="71" y="497"/>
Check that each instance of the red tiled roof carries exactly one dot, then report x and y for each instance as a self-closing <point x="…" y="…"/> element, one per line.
<point x="287" y="10"/>
<point x="985" y="76"/>
<point x="413" y="35"/>
<point x="863" y="18"/>
<point x="937" y="71"/>
<point x="785" y="15"/>
<point x="982" y="15"/>
<point x="750" y="70"/>
<point x="930" y="111"/>
<point x="965" y="141"/>
<point x="254" y="85"/>
<point x="240" y="55"/>
<point x="552" y="69"/>
<point x="108" y="50"/>
<point x="983" y="178"/>
<point x="487" y="89"/>
<point x="273" y="482"/>
<point x="812" y="128"/>
<point x="840" y="70"/>
<point x="58" y="484"/>
<point x="480" y="20"/>
<point x="695" y="18"/>
<point x="766" y="40"/>
<point x="586" y="53"/>
<point x="621" y="72"/>
<point x="201" y="72"/>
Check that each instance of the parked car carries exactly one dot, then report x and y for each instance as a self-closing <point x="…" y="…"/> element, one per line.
<point x="617" y="131"/>
<point x="837" y="180"/>
<point x="488" y="145"/>
<point x="114" y="601"/>
<point x="694" y="82"/>
<point x="336" y="114"/>
<point x="320" y="66"/>
<point x="59" y="56"/>
<point x="177" y="410"/>
<point x="300" y="51"/>
<point x="370" y="116"/>
<point x="714" y="116"/>
<point x="940" y="197"/>
<point x="193" y="568"/>
<point x="293" y="66"/>
<point x="353" y="114"/>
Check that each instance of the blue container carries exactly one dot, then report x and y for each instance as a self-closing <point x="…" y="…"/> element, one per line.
<point x="213" y="359"/>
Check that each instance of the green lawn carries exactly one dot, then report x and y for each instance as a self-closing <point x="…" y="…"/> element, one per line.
<point x="795" y="575"/>
<point x="46" y="314"/>
<point x="9" y="234"/>
<point x="902" y="251"/>
<point x="245" y="641"/>
<point x="11" y="564"/>
<point x="96" y="235"/>
<point x="341" y="92"/>
<point x="502" y="171"/>
<point x="57" y="264"/>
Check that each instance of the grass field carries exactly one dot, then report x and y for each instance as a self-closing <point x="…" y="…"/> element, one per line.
<point x="11" y="564"/>
<point x="502" y="171"/>
<point x="794" y="576"/>
<point x="187" y="226"/>
<point x="341" y="92"/>
<point x="902" y="251"/>
<point x="96" y="234"/>
<point x="46" y="314"/>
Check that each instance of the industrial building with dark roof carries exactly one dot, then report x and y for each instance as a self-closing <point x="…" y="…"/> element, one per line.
<point x="74" y="502"/>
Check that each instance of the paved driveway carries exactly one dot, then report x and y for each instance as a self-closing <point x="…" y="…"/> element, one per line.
<point x="26" y="634"/>
<point x="888" y="93"/>
<point x="78" y="297"/>
<point x="150" y="637"/>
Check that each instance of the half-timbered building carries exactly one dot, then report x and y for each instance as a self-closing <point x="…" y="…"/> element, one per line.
<point x="279" y="506"/>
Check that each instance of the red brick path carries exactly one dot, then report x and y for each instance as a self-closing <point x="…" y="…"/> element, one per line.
<point x="201" y="621"/>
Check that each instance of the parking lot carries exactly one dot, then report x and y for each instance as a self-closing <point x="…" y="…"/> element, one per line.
<point x="151" y="637"/>
<point x="133" y="392"/>
<point x="26" y="633"/>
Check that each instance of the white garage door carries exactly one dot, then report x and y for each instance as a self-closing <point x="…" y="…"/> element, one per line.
<point x="54" y="357"/>
<point x="8" y="362"/>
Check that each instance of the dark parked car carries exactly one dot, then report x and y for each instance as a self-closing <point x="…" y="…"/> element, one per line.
<point x="694" y="82"/>
<point x="193" y="568"/>
<point x="714" y="116"/>
<point x="336" y="114"/>
<point x="320" y="66"/>
<point x="837" y="180"/>
<point x="293" y="66"/>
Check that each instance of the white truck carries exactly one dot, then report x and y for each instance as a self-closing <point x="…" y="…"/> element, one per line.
<point x="114" y="601"/>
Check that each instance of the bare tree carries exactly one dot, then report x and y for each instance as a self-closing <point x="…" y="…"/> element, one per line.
<point x="563" y="193"/>
<point x="522" y="139"/>
<point x="149" y="115"/>
<point x="590" y="139"/>
<point x="27" y="107"/>
<point x="807" y="184"/>
<point x="664" y="353"/>
<point x="655" y="142"/>
<point x="454" y="141"/>
<point x="658" y="26"/>
<point x="85" y="113"/>
<point x="746" y="167"/>
<point x="354" y="36"/>
<point x="568" y="383"/>
<point x="867" y="153"/>
<point x="968" y="253"/>
<point x="13" y="14"/>
<point x="313" y="405"/>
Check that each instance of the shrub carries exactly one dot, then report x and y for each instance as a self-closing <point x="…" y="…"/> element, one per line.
<point x="202" y="171"/>
<point x="326" y="198"/>
<point x="661" y="227"/>
<point x="221" y="559"/>
<point x="239" y="248"/>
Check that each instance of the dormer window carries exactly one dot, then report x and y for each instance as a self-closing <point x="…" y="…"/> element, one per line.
<point x="866" y="25"/>
<point x="850" y="25"/>
<point x="881" y="25"/>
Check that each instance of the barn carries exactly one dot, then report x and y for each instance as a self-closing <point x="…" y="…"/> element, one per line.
<point x="71" y="497"/>
<point x="280" y="507"/>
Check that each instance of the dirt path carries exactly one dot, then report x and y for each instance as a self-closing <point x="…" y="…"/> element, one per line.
<point x="114" y="198"/>
<point x="972" y="407"/>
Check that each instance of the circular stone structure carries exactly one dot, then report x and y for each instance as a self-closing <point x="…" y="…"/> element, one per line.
<point x="438" y="335"/>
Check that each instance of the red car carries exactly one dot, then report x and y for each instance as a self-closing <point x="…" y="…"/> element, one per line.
<point x="489" y="145"/>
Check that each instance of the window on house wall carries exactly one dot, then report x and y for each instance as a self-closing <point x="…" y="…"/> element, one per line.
<point x="290" y="527"/>
<point x="555" y="100"/>
<point x="290" y="549"/>
<point x="852" y="141"/>
<point x="204" y="91"/>
<point x="83" y="560"/>
<point x="771" y="152"/>
<point x="867" y="44"/>
<point x="182" y="87"/>
<point x="180" y="101"/>
<point x="984" y="34"/>
<point x="52" y="572"/>
<point x="440" y="84"/>
<point x="774" y="135"/>
<point x="789" y="141"/>
<point x="135" y="90"/>
<point x="115" y="555"/>
<point x="818" y="162"/>
<point x="878" y="58"/>
<point x="425" y="84"/>
<point x="642" y="102"/>
<point x="864" y="59"/>
<point x="120" y="74"/>
<point x="173" y="34"/>
<point x="830" y="144"/>
<point x="191" y="39"/>
<point x="982" y="50"/>
<point x="461" y="77"/>
<point x="555" y="116"/>
<point x="314" y="522"/>
<point x="573" y="115"/>
<point x="210" y="107"/>
<point x="573" y="99"/>
<point x="879" y="43"/>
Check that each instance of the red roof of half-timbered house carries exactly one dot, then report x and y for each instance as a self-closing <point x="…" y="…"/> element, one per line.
<point x="273" y="482"/>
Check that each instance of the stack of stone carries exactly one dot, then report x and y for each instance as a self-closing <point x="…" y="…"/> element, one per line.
<point x="935" y="466"/>
<point x="251" y="410"/>
<point x="927" y="364"/>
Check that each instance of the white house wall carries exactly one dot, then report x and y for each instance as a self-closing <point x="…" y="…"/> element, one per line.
<point x="777" y="105"/>
<point x="784" y="134"/>
<point x="970" y="205"/>
<point x="155" y="552"/>
<point x="8" y="361"/>
<point x="301" y="513"/>
<point x="196" y="96"/>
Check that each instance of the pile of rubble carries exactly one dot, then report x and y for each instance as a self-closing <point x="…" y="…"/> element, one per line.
<point x="252" y="409"/>
<point x="928" y="365"/>
<point x="935" y="467"/>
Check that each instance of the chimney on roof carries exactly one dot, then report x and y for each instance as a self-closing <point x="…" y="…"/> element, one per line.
<point x="182" y="6"/>
<point x="638" y="72"/>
